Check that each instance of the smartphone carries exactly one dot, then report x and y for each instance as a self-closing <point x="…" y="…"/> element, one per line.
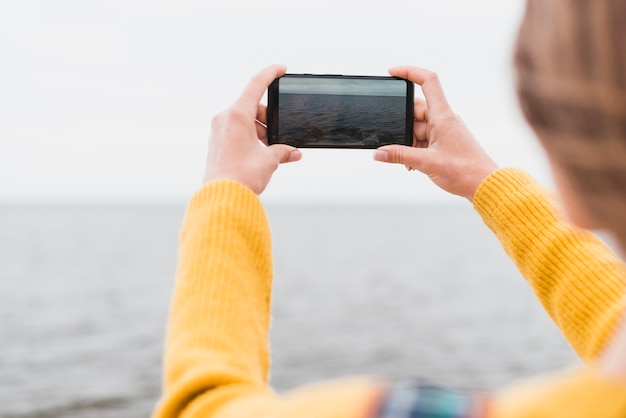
<point x="339" y="111"/>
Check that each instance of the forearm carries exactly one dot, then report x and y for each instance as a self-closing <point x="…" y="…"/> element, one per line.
<point x="584" y="393"/>
<point x="216" y="358"/>
<point x="219" y="319"/>
<point x="576" y="277"/>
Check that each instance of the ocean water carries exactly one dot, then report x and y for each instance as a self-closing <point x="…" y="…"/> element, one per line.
<point x="331" y="120"/>
<point x="401" y="292"/>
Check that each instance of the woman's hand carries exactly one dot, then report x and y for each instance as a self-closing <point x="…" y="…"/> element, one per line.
<point x="238" y="142"/>
<point x="443" y="148"/>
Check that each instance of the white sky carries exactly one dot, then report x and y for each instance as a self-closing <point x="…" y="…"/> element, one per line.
<point x="346" y="85"/>
<point x="112" y="100"/>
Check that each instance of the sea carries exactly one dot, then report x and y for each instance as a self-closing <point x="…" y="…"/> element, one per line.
<point x="332" y="120"/>
<point x="399" y="292"/>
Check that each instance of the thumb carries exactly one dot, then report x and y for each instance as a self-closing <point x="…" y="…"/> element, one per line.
<point x="402" y="154"/>
<point x="285" y="153"/>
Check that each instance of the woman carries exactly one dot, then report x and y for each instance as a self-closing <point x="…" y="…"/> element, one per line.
<point x="571" y="68"/>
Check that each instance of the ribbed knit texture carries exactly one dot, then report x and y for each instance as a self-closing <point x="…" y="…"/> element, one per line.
<point x="217" y="342"/>
<point x="216" y="360"/>
<point x="577" y="278"/>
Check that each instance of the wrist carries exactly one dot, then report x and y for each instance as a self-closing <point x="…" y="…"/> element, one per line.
<point x="479" y="178"/>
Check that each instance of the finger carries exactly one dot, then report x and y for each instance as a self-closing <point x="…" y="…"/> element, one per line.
<point x="254" y="90"/>
<point x="420" y="110"/>
<point x="261" y="131"/>
<point x="261" y="122"/>
<point x="401" y="154"/>
<point x="285" y="153"/>
<point x="261" y="113"/>
<point x="429" y="81"/>
<point x="420" y="131"/>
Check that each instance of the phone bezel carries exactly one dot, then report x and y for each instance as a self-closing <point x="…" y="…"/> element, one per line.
<point x="273" y="114"/>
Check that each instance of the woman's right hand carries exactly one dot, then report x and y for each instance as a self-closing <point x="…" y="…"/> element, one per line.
<point x="443" y="147"/>
<point x="238" y="147"/>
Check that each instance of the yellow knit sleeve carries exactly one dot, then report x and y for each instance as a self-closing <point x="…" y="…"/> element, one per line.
<point x="579" y="394"/>
<point x="216" y="358"/>
<point x="577" y="278"/>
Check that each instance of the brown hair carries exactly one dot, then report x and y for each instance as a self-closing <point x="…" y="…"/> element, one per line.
<point x="570" y="62"/>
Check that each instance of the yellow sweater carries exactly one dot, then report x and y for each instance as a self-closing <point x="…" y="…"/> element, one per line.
<point x="216" y="358"/>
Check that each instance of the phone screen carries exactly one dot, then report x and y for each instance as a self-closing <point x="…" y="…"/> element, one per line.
<point x="331" y="111"/>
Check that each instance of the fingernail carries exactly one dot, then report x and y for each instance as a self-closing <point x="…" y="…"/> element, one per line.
<point x="381" y="155"/>
<point x="295" y="155"/>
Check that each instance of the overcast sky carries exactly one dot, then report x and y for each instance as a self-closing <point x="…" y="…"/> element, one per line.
<point x="343" y="85"/>
<point x="112" y="100"/>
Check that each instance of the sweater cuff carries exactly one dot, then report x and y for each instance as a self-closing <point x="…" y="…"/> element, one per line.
<point x="225" y="193"/>
<point x="509" y="195"/>
<point x="509" y="182"/>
